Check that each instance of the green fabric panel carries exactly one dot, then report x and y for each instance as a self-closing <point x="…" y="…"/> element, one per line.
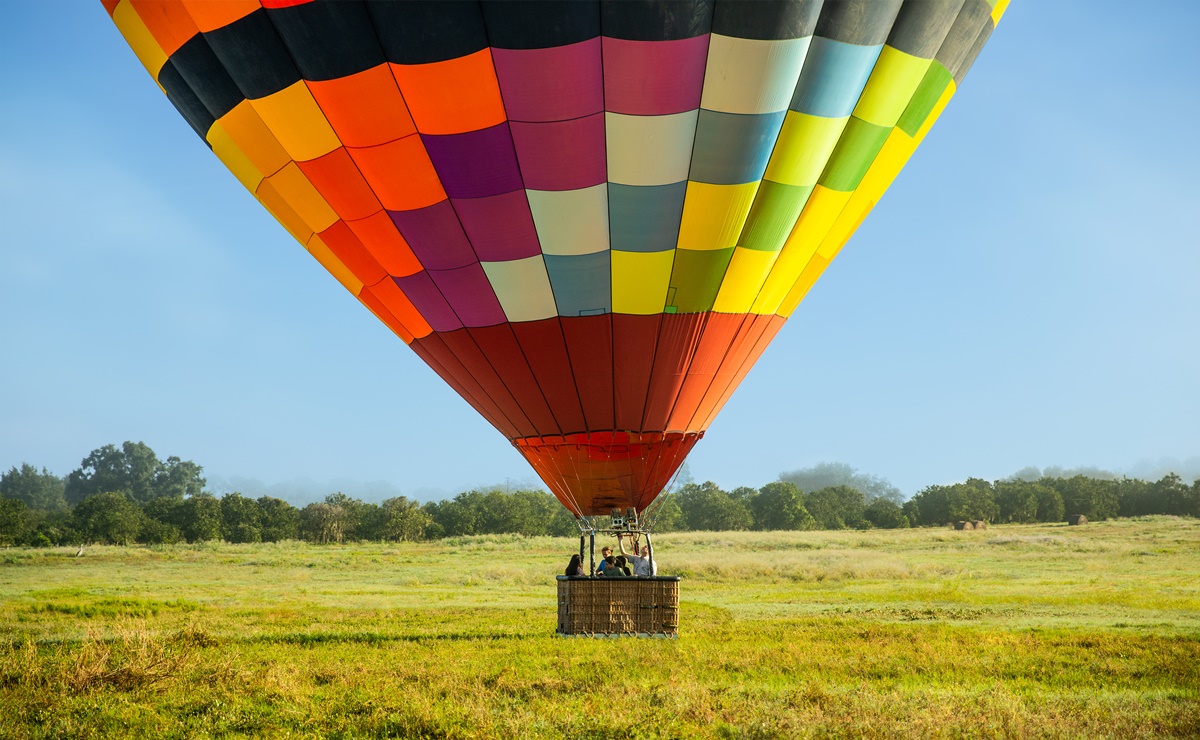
<point x="774" y="213"/>
<point x="853" y="155"/>
<point x="927" y="94"/>
<point x="697" y="277"/>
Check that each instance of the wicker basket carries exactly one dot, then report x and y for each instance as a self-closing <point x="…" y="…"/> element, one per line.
<point x="616" y="607"/>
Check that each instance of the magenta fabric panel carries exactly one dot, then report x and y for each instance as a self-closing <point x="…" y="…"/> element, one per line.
<point x="500" y="227"/>
<point x="427" y="299"/>
<point x="562" y="155"/>
<point x="552" y="84"/>
<point x="654" y="78"/>
<point x="470" y="295"/>
<point x="435" y="235"/>
<point x="475" y="164"/>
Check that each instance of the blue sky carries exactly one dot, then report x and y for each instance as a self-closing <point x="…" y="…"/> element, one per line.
<point x="1027" y="293"/>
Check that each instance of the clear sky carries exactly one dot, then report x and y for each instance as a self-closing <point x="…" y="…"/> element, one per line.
<point x="1027" y="293"/>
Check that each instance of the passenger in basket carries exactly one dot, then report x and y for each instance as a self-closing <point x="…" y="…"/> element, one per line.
<point x="642" y="565"/>
<point x="605" y="560"/>
<point x="575" y="567"/>
<point x="618" y="569"/>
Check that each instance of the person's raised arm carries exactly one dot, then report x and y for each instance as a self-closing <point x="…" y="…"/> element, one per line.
<point x="621" y="544"/>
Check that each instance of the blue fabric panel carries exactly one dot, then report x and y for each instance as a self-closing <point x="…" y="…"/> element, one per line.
<point x="645" y="218"/>
<point x="833" y="77"/>
<point x="733" y="148"/>
<point x="581" y="283"/>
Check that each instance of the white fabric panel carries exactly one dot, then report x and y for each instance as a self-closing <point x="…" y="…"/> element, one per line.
<point x="649" y="150"/>
<point x="571" y="221"/>
<point x="752" y="75"/>
<point x="523" y="288"/>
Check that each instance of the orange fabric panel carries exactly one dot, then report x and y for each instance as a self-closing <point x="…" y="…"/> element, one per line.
<point x="338" y="180"/>
<point x="390" y="295"/>
<point x="380" y="237"/>
<point x="346" y="246"/>
<point x="365" y="109"/>
<point x="767" y="332"/>
<point x="209" y="15"/>
<point x="400" y="173"/>
<point x="169" y="23"/>
<point x="254" y="139"/>
<point x="453" y="96"/>
<point x="373" y="304"/>
<point x="110" y="6"/>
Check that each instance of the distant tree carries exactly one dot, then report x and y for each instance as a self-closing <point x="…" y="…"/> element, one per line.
<point x="108" y="517"/>
<point x="1019" y="501"/>
<point x="136" y="469"/>
<point x="1096" y="499"/>
<point x="39" y="490"/>
<point x="323" y="523"/>
<point x="837" y="507"/>
<point x="668" y="517"/>
<point x="706" y="507"/>
<point x="14" y="521"/>
<point x="1050" y="505"/>
<point x="457" y="517"/>
<point x="404" y="520"/>
<point x="357" y="516"/>
<point x="778" y="506"/>
<point x="155" y="532"/>
<point x="241" y="519"/>
<point x="885" y="514"/>
<point x="828" y="475"/>
<point x="1174" y="496"/>
<point x="969" y="500"/>
<point x="280" y="520"/>
<point x="201" y="518"/>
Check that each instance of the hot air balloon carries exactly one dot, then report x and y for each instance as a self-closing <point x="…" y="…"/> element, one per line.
<point x="589" y="218"/>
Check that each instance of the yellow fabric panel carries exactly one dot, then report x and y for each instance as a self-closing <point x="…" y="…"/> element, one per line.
<point x="234" y="158"/>
<point x="329" y="261"/>
<point x="139" y="38"/>
<point x="938" y="107"/>
<point x="297" y="122"/>
<point x="819" y="214"/>
<point x="745" y="275"/>
<point x="713" y="215"/>
<point x="244" y="127"/>
<point x="890" y="87"/>
<point x="640" y="281"/>
<point x="302" y="196"/>
<point x="998" y="11"/>
<point x="803" y="148"/>
<point x="808" y="277"/>
<point x="278" y="207"/>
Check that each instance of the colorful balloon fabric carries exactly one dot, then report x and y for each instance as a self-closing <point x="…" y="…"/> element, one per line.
<point x="588" y="218"/>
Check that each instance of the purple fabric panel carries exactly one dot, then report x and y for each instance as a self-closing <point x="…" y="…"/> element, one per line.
<point x="471" y="295"/>
<point x="500" y="227"/>
<point x="654" y="78"/>
<point x="429" y="301"/>
<point x="475" y="164"/>
<point x="551" y="84"/>
<point x="435" y="235"/>
<point x="564" y="155"/>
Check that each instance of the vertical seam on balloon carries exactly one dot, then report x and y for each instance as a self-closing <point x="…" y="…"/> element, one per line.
<point x="692" y="421"/>
<point x="574" y="381"/>
<point x="612" y="274"/>
<point x="687" y="372"/>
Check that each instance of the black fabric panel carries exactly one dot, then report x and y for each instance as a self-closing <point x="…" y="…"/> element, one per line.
<point x="971" y="20"/>
<point x="861" y="22"/>
<point x="973" y="52"/>
<point x="766" y="19"/>
<point x="540" y="24"/>
<point x="922" y="26"/>
<point x="656" y="20"/>
<point x="254" y="55"/>
<point x="184" y="99"/>
<point x="424" y="31"/>
<point x="206" y="76"/>
<point x="328" y="39"/>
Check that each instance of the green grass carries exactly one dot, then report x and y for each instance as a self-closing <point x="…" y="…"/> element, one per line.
<point x="1040" y="630"/>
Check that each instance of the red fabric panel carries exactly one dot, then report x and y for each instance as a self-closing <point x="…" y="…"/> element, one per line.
<point x="468" y="353"/>
<point x="500" y="347"/>
<point x="677" y="342"/>
<point x="634" y="338"/>
<point x="766" y="329"/>
<point x="383" y="314"/>
<point x="589" y="345"/>
<point x="719" y="332"/>
<point x="546" y="351"/>
<point x="743" y="341"/>
<point x="436" y="355"/>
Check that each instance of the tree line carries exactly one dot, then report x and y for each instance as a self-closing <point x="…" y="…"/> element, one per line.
<point x="127" y="495"/>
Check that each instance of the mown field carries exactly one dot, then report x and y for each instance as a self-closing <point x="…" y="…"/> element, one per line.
<point x="1018" y="631"/>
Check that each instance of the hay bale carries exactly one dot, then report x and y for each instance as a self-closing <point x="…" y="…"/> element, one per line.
<point x="1076" y="519"/>
<point x="979" y="524"/>
<point x="964" y="525"/>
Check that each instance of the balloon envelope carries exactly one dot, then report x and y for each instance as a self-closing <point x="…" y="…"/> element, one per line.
<point x="589" y="219"/>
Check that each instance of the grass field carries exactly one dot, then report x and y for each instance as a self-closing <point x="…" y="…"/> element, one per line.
<point x="1038" y="630"/>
